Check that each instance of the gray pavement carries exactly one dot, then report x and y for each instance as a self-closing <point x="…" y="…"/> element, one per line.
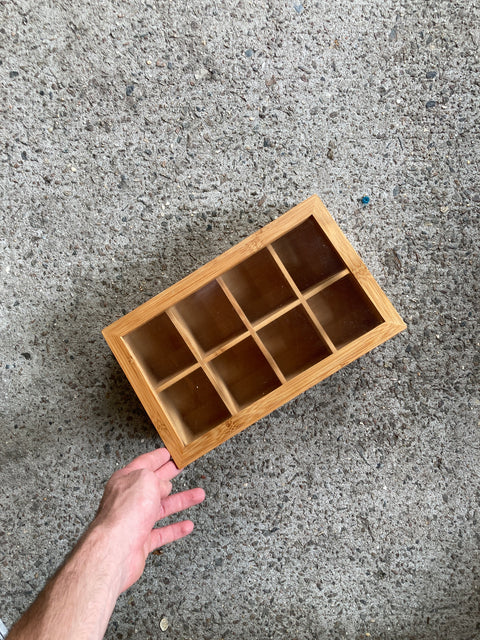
<point x="141" y="139"/>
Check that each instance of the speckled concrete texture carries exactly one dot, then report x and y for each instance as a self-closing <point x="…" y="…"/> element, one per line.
<point x="141" y="139"/>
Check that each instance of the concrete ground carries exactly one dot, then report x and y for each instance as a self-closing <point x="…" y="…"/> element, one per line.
<point x="139" y="140"/>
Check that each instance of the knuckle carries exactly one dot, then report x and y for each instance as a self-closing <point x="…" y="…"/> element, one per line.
<point x="165" y="486"/>
<point x="144" y="476"/>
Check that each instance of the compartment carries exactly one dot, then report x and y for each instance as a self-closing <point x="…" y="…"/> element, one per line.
<point x="308" y="254"/>
<point x="159" y="349"/>
<point x="258" y="285"/>
<point x="246" y="372"/>
<point x="294" y="342"/>
<point x="210" y="316"/>
<point x="193" y="405"/>
<point x="345" y="311"/>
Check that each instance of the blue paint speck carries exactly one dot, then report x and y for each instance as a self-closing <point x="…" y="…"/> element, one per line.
<point x="298" y="8"/>
<point x="249" y="53"/>
<point x="365" y="200"/>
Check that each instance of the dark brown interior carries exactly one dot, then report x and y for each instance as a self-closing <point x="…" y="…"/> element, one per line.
<point x="159" y="349"/>
<point x="345" y="311"/>
<point x="258" y="285"/>
<point x="294" y="342"/>
<point x="246" y="372"/>
<point x="194" y="403"/>
<point x="308" y="254"/>
<point x="210" y="316"/>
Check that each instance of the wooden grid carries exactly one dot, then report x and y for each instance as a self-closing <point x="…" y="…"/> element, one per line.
<point x="250" y="330"/>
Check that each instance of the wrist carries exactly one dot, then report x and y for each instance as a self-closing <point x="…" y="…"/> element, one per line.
<point x="99" y="550"/>
<point x="79" y="600"/>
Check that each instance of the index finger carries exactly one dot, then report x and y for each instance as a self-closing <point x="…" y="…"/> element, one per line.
<point x="152" y="460"/>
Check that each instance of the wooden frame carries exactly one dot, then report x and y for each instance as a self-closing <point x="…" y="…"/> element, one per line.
<point x="250" y="330"/>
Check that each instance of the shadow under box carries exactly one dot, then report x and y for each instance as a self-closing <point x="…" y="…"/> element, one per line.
<point x="308" y="254"/>
<point x="345" y="311"/>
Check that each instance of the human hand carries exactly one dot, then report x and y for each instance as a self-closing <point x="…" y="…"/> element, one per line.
<point x="78" y="601"/>
<point x="135" y="498"/>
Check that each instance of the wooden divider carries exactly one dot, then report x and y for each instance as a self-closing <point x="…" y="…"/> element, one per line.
<point x="220" y="387"/>
<point x="301" y="297"/>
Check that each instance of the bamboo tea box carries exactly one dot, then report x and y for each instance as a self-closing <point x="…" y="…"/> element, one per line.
<point x="247" y="332"/>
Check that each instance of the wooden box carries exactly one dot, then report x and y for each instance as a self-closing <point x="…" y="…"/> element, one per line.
<point x="247" y="332"/>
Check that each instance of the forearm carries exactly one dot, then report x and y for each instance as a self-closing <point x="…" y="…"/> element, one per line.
<point x="78" y="602"/>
